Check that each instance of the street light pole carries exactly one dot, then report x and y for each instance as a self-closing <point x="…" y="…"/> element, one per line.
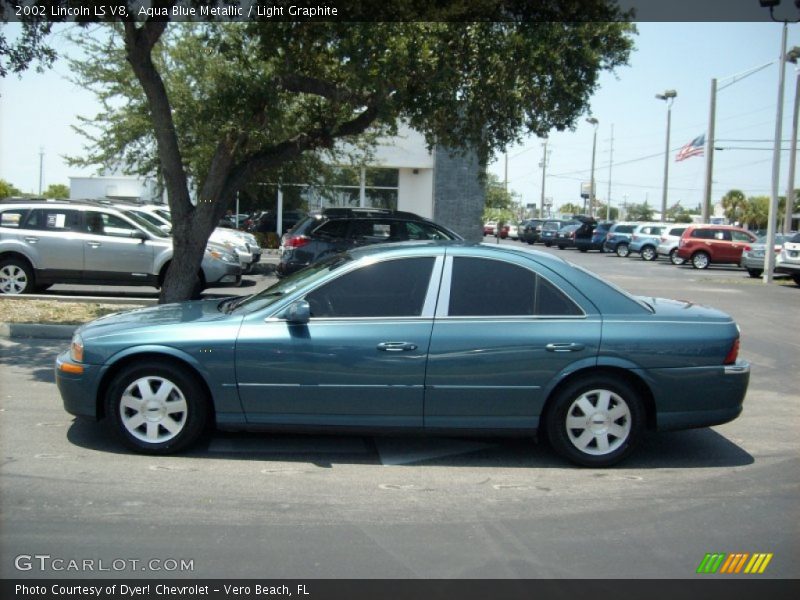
<point x="544" y="171"/>
<point x="668" y="96"/>
<point x="769" y="255"/>
<point x="792" y="57"/>
<point x="594" y="122"/>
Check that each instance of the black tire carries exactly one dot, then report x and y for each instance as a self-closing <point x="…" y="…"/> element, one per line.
<point x="796" y="279"/>
<point x="674" y="258"/>
<point x="700" y="260"/>
<point x="560" y="247"/>
<point x="622" y="250"/>
<point x="548" y="244"/>
<point x="16" y="277"/>
<point x="528" y="242"/>
<point x="754" y="273"/>
<point x="168" y="434"/>
<point x="583" y="249"/>
<point x="620" y="400"/>
<point x="649" y="253"/>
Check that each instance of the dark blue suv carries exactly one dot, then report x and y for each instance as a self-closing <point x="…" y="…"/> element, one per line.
<point x="592" y="237"/>
<point x="618" y="238"/>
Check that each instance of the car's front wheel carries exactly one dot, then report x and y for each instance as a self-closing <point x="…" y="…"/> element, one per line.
<point x="796" y="279"/>
<point x="649" y="253"/>
<point x="595" y="421"/>
<point x="157" y="407"/>
<point x="700" y="260"/>
<point x="622" y="250"/>
<point x="16" y="277"/>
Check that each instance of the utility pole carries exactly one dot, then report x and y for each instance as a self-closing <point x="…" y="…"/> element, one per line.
<point x="543" y="164"/>
<point x="669" y="97"/>
<point x="505" y="179"/>
<point x="41" y="168"/>
<point x="610" y="162"/>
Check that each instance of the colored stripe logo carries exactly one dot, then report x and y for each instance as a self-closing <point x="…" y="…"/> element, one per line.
<point x="734" y="563"/>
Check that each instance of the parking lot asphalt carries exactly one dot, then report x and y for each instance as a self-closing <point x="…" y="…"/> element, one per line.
<point x="308" y="506"/>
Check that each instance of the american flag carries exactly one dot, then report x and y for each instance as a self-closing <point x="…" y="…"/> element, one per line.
<point x="693" y="148"/>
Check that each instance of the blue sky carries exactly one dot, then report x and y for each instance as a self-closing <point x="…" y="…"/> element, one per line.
<point x="37" y="111"/>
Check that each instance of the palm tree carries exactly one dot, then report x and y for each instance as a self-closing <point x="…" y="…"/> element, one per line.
<point x="735" y="205"/>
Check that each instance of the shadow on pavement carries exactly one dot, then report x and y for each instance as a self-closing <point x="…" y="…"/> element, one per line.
<point x="39" y="358"/>
<point x="700" y="448"/>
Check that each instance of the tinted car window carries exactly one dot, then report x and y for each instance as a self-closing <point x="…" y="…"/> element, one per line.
<point x="101" y="223"/>
<point x="480" y="288"/>
<point x="623" y="228"/>
<point x="394" y="288"/>
<point x="425" y="231"/>
<point x="795" y="239"/>
<point x="371" y="230"/>
<point x="332" y="229"/>
<point x="52" y="219"/>
<point x="677" y="231"/>
<point x="703" y="234"/>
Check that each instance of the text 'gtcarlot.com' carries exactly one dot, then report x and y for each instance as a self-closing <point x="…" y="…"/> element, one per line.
<point x="46" y="562"/>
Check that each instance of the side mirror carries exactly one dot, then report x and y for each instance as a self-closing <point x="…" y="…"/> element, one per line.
<point x="139" y="235"/>
<point x="298" y="313"/>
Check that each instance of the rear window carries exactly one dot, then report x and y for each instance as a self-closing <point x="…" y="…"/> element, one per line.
<point x="623" y="228"/>
<point x="677" y="231"/>
<point x="11" y="218"/>
<point x="795" y="239"/>
<point x="703" y="234"/>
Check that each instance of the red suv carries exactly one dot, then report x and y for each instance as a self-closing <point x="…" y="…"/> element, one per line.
<point x="706" y="244"/>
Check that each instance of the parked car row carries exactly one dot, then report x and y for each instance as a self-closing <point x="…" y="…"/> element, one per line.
<point x="695" y="244"/>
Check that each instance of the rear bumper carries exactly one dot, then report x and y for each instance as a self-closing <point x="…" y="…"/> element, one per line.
<point x="699" y="396"/>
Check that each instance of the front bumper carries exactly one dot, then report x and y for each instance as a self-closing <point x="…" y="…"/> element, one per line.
<point x="78" y="390"/>
<point x="219" y="273"/>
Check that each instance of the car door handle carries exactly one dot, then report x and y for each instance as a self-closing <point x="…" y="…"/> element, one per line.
<point x="94" y="244"/>
<point x="396" y="346"/>
<point x="31" y="240"/>
<point x="566" y="347"/>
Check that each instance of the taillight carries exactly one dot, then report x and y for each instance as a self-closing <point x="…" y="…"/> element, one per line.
<point x="733" y="354"/>
<point x="634" y="238"/>
<point x="608" y="236"/>
<point x="663" y="240"/>
<point x="297" y="241"/>
<point x="681" y="243"/>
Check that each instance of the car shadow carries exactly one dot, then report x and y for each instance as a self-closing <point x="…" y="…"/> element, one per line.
<point x="699" y="448"/>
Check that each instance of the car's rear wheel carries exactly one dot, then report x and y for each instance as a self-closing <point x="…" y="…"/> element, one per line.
<point x="796" y="279"/>
<point x="595" y="421"/>
<point x="754" y="273"/>
<point x="16" y="277"/>
<point x="622" y="250"/>
<point x="674" y="258"/>
<point x="157" y="407"/>
<point x="548" y="244"/>
<point x="649" y="253"/>
<point x="700" y="260"/>
<point x="583" y="249"/>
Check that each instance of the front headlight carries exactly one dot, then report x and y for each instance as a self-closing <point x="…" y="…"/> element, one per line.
<point x="76" y="348"/>
<point x="223" y="256"/>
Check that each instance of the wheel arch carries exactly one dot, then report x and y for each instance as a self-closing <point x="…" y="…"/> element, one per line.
<point x="164" y="356"/>
<point x="17" y="255"/>
<point x="615" y="372"/>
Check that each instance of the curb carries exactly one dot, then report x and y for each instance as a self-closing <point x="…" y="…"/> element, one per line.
<point x="34" y="330"/>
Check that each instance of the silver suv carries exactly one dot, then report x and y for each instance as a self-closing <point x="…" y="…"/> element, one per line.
<point x="47" y="242"/>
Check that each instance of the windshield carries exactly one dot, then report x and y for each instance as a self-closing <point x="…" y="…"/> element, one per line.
<point x="146" y="225"/>
<point x="287" y="285"/>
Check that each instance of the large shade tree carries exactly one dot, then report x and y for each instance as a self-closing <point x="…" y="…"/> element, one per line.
<point x="211" y="107"/>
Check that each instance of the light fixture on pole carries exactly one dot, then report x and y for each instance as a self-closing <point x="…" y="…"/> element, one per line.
<point x="595" y="122"/>
<point x="669" y="97"/>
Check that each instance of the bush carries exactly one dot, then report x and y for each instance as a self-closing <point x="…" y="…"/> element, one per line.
<point x="269" y="240"/>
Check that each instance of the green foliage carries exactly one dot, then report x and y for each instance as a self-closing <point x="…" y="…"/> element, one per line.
<point x="571" y="209"/>
<point x="683" y="218"/>
<point x="640" y="212"/>
<point x="57" y="190"/>
<point x="734" y="203"/>
<point x="497" y="197"/>
<point x="29" y="48"/>
<point x="7" y="190"/>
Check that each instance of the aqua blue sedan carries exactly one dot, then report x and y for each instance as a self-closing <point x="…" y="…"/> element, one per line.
<point x="414" y="337"/>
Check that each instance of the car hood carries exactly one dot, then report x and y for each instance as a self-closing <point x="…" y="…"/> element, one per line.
<point x="682" y="309"/>
<point x="156" y="317"/>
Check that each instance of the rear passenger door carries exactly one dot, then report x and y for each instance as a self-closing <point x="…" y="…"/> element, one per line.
<point x="52" y="235"/>
<point x="502" y="333"/>
<point x="111" y="254"/>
